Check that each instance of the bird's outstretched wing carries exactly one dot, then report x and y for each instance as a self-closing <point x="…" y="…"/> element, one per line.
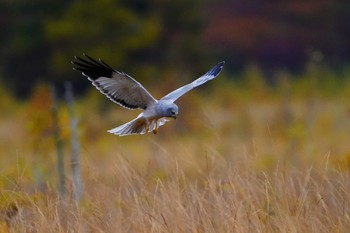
<point x="211" y="74"/>
<point x="117" y="86"/>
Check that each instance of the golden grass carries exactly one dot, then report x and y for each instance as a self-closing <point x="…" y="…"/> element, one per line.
<point x="238" y="160"/>
<point x="218" y="197"/>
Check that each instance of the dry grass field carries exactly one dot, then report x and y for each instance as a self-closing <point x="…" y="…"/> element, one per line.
<point x="242" y="157"/>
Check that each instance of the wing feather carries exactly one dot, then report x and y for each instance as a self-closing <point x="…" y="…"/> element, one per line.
<point x="117" y="86"/>
<point x="211" y="74"/>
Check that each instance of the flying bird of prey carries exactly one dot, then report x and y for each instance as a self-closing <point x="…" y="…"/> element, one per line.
<point x="127" y="92"/>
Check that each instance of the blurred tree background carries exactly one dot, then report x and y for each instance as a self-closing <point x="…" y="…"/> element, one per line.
<point x="281" y="102"/>
<point x="151" y="38"/>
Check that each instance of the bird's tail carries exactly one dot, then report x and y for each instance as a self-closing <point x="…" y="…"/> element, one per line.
<point x="137" y="126"/>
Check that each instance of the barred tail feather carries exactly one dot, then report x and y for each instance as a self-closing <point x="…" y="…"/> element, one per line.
<point x="136" y="126"/>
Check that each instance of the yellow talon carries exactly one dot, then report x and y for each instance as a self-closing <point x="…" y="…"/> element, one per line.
<point x="155" y="131"/>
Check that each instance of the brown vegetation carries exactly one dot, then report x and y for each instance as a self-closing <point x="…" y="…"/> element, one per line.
<point x="242" y="157"/>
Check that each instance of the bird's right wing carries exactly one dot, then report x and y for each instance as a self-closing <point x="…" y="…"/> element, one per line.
<point x="211" y="74"/>
<point x="117" y="86"/>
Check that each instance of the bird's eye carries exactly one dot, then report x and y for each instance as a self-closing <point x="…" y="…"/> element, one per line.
<point x="171" y="111"/>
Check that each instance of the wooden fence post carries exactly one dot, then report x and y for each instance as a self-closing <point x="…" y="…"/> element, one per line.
<point x="59" y="144"/>
<point x="75" y="162"/>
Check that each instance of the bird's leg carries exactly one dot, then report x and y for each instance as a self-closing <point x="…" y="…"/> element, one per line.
<point x="155" y="131"/>
<point x="147" y="126"/>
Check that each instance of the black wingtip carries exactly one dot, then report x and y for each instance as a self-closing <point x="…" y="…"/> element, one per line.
<point x="216" y="69"/>
<point x="221" y="64"/>
<point x="91" y="67"/>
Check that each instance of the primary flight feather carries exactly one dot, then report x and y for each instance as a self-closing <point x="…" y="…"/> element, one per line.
<point x="127" y="92"/>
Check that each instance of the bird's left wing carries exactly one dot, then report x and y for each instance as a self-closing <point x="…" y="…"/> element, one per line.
<point x="211" y="74"/>
<point x="117" y="86"/>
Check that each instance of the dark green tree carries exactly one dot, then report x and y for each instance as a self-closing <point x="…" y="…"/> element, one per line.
<point x="149" y="35"/>
<point x="146" y="38"/>
<point x="24" y="49"/>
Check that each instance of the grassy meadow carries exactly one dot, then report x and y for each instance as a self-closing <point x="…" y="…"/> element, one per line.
<point x="243" y="156"/>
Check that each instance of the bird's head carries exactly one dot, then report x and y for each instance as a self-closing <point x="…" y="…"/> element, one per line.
<point x="172" y="111"/>
<point x="167" y="109"/>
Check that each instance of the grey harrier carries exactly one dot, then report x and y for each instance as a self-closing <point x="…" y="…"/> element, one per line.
<point x="127" y="92"/>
